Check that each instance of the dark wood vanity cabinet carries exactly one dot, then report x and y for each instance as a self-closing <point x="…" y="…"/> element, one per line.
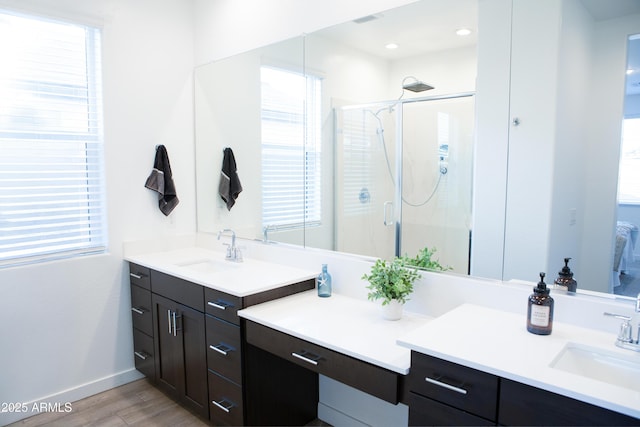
<point x="224" y="358"/>
<point x="522" y="405"/>
<point x="141" y="316"/>
<point x="188" y="340"/>
<point x="371" y="379"/>
<point x="445" y="393"/>
<point x="181" y="362"/>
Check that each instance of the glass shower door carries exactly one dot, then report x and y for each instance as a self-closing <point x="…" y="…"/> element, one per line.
<point x="437" y="167"/>
<point x="365" y="166"/>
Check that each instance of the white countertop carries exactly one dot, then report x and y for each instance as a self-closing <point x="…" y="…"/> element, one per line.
<point x="236" y="278"/>
<point x="498" y="342"/>
<point x="347" y="325"/>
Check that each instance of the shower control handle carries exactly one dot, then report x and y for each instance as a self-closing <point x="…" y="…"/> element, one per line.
<point x="385" y="209"/>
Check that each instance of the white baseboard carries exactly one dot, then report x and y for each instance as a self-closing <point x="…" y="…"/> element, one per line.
<point x="57" y="401"/>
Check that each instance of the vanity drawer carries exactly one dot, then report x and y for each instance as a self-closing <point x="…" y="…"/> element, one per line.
<point x="222" y="305"/>
<point x="521" y="404"/>
<point x="428" y="412"/>
<point x="364" y="376"/>
<point x="225" y="401"/>
<point x="143" y="354"/>
<point x="179" y="290"/>
<point x="224" y="354"/>
<point x="140" y="276"/>
<point x="464" y="388"/>
<point x="141" y="313"/>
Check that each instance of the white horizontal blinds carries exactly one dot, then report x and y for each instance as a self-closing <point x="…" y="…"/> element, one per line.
<point x="357" y="134"/>
<point x="290" y="167"/>
<point x="51" y="190"/>
<point x="313" y="151"/>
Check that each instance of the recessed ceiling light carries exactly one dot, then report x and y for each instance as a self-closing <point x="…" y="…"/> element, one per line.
<point x="391" y="46"/>
<point x="463" y="32"/>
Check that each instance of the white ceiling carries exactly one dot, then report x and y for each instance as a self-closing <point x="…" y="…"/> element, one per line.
<point x="421" y="27"/>
<point x="430" y="25"/>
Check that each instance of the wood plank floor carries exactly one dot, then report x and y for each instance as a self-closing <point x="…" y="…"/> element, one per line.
<point x="134" y="404"/>
<point x="137" y="404"/>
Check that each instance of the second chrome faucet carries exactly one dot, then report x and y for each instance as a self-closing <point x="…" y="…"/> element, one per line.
<point x="233" y="252"/>
<point x="625" y="335"/>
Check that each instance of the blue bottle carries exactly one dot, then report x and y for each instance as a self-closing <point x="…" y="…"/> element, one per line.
<point x="324" y="283"/>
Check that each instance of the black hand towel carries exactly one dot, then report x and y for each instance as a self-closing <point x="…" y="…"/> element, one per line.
<point x="230" y="187"/>
<point x="161" y="181"/>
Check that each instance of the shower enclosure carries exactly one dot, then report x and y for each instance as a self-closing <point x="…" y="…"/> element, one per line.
<point x="404" y="178"/>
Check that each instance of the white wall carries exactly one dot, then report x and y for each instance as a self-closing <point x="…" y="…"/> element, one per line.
<point x="67" y="323"/>
<point x="492" y="138"/>
<point x="568" y="192"/>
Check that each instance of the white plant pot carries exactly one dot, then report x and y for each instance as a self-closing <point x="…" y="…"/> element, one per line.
<point x="393" y="310"/>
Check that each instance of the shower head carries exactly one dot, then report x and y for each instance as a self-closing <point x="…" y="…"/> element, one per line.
<point x="417" y="86"/>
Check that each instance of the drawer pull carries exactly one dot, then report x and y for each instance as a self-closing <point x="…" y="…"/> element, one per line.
<point x="445" y="385"/>
<point x="304" y="357"/>
<point x="219" y="304"/>
<point x="142" y="356"/>
<point x="222" y="406"/>
<point x="137" y="310"/>
<point x="137" y="276"/>
<point x="221" y="348"/>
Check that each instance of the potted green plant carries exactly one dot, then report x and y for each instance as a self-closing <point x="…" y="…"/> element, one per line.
<point x="391" y="281"/>
<point x="424" y="260"/>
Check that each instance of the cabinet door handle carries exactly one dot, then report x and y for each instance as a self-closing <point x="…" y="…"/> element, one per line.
<point x="445" y="385"/>
<point x="137" y="310"/>
<point x="137" y="276"/>
<point x="169" y="320"/>
<point x="142" y="356"/>
<point x="306" y="359"/>
<point x="221" y="348"/>
<point x="218" y="304"/>
<point x="174" y="323"/>
<point x="221" y="405"/>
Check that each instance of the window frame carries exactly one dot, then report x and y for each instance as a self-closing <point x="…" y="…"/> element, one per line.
<point x="79" y="99"/>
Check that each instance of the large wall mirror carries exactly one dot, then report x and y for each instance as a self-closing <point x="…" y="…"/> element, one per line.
<point x="482" y="146"/>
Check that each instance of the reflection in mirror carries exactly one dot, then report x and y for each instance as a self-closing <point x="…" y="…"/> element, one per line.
<point x="375" y="112"/>
<point x="563" y="156"/>
<point x="627" y="282"/>
<point x="574" y="181"/>
<point x="436" y="135"/>
<point x="229" y="113"/>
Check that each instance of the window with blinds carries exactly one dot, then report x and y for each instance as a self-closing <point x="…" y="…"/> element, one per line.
<point x="291" y="148"/>
<point x="51" y="185"/>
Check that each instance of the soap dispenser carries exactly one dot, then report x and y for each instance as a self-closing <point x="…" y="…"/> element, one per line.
<point x="540" y="309"/>
<point x="565" y="278"/>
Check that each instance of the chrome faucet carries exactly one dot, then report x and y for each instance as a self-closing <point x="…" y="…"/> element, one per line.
<point x="233" y="253"/>
<point x="265" y="233"/>
<point x="625" y="334"/>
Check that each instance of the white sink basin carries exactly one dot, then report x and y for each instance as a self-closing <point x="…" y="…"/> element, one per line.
<point x="208" y="265"/>
<point x="613" y="368"/>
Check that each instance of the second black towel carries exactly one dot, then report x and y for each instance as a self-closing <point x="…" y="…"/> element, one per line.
<point x="230" y="186"/>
